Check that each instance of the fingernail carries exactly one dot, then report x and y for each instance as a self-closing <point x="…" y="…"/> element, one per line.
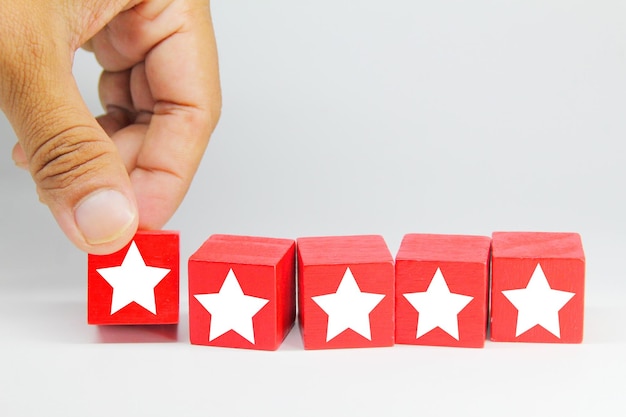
<point x="21" y="164"/>
<point x="104" y="216"/>
<point x="20" y="161"/>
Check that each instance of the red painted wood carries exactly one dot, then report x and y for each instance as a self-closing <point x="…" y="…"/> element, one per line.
<point x="464" y="264"/>
<point x="322" y="263"/>
<point x="158" y="249"/>
<point x="515" y="258"/>
<point x="264" y="268"/>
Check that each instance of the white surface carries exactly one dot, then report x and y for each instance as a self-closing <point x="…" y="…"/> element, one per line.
<point x="345" y="117"/>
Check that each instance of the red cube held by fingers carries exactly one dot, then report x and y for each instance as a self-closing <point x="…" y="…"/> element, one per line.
<point x="346" y="292"/>
<point x="442" y="286"/>
<point x="538" y="285"/>
<point x="242" y="292"/>
<point x="138" y="284"/>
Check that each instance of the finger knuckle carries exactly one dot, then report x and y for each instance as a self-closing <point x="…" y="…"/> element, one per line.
<point x="67" y="156"/>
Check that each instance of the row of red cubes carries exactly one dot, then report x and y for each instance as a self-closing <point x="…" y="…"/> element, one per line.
<point x="288" y="273"/>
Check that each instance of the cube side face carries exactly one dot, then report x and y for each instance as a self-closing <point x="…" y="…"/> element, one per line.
<point x="286" y="293"/>
<point x="375" y="329"/>
<point x="255" y="331"/>
<point x="442" y="290"/>
<point x="157" y="249"/>
<point x="559" y="325"/>
<point x="301" y="290"/>
<point x="465" y="328"/>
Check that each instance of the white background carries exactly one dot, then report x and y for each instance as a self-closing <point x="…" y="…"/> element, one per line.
<point x="345" y="117"/>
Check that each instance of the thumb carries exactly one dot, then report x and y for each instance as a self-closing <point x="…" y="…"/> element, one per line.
<point x="77" y="170"/>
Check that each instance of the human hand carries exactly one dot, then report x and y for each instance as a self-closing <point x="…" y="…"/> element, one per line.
<point x="103" y="178"/>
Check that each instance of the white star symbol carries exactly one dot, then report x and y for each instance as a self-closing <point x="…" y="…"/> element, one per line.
<point x="348" y="308"/>
<point x="133" y="281"/>
<point x="538" y="304"/>
<point x="438" y="307"/>
<point x="231" y="309"/>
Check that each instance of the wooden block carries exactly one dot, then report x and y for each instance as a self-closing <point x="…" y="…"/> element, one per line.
<point x="346" y="292"/>
<point x="138" y="284"/>
<point x="442" y="286"/>
<point x="538" y="284"/>
<point x="242" y="292"/>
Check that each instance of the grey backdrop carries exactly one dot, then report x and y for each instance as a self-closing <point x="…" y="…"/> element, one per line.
<point x="345" y="117"/>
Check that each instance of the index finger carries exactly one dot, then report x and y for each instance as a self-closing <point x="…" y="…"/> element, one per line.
<point x="183" y="77"/>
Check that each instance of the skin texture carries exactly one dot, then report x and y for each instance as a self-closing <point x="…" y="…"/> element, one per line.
<point x="159" y="87"/>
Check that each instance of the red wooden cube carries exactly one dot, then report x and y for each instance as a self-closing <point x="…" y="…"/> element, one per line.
<point x="346" y="292"/>
<point x="138" y="284"/>
<point x="538" y="284"/>
<point x="442" y="286"/>
<point x="242" y="292"/>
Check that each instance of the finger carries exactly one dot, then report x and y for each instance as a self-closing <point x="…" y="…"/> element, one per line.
<point x="127" y="39"/>
<point x="126" y="97"/>
<point x="87" y="46"/>
<point x="19" y="156"/>
<point x="140" y="92"/>
<point x="115" y="98"/>
<point x="76" y="168"/>
<point x="129" y="142"/>
<point x="122" y="121"/>
<point x="114" y="91"/>
<point x="182" y="73"/>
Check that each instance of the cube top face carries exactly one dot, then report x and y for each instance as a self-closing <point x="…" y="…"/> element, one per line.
<point x="242" y="292"/>
<point x="252" y="239"/>
<point x="442" y="284"/>
<point x="537" y="289"/>
<point x="346" y="292"/>
<point x="330" y="250"/>
<point x="544" y="245"/>
<point x="444" y="248"/>
<point x="138" y="284"/>
<point x="243" y="250"/>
